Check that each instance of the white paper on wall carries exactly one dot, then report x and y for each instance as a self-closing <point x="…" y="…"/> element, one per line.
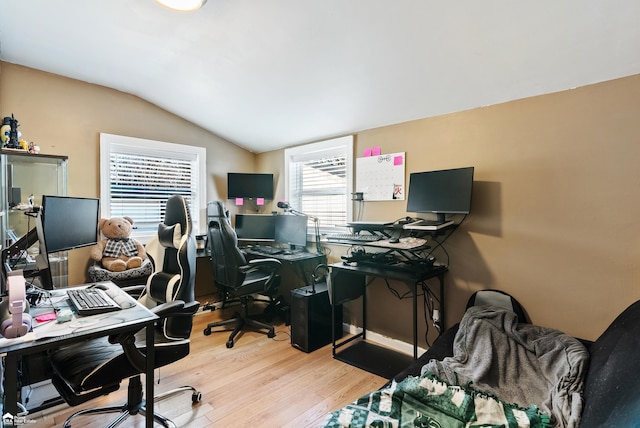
<point x="381" y="177"/>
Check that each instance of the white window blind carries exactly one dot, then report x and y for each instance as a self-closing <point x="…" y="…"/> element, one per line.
<point x="319" y="180"/>
<point x="138" y="176"/>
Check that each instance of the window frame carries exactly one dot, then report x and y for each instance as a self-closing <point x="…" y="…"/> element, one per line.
<point x="110" y="143"/>
<point x="317" y="149"/>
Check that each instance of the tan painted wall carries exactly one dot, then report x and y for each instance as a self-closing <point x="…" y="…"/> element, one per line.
<point x="65" y="117"/>
<point x="555" y="205"/>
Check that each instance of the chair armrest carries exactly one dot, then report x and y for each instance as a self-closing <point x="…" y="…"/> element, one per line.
<point x="164" y="310"/>
<point x="134" y="290"/>
<point x="254" y="264"/>
<point x="175" y="308"/>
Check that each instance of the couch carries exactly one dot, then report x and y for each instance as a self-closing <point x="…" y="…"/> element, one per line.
<point x="610" y="386"/>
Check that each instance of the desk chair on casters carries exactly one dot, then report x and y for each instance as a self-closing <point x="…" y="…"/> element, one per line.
<point x="96" y="367"/>
<point x="237" y="278"/>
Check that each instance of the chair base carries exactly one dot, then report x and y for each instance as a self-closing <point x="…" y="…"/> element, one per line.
<point x="136" y="405"/>
<point x="239" y="322"/>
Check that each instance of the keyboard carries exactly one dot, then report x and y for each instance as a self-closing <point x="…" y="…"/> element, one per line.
<point x="92" y="301"/>
<point x="267" y="250"/>
<point x="352" y="237"/>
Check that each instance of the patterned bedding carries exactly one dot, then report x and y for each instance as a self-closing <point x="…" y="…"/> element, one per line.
<point x="429" y="402"/>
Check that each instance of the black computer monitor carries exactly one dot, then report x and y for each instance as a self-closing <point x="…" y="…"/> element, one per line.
<point x="249" y="186"/>
<point x="441" y="192"/>
<point x="64" y="223"/>
<point x="292" y="230"/>
<point x="69" y="223"/>
<point x="256" y="227"/>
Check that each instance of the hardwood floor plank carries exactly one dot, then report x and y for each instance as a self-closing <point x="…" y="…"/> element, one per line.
<point x="259" y="382"/>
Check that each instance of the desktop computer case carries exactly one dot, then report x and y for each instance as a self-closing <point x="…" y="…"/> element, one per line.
<point x="311" y="318"/>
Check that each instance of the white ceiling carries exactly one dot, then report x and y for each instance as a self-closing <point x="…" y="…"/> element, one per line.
<point x="267" y="74"/>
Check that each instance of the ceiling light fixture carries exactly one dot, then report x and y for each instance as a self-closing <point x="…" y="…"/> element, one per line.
<point x="183" y="5"/>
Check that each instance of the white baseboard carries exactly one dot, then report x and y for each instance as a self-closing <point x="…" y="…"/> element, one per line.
<point x="395" y="344"/>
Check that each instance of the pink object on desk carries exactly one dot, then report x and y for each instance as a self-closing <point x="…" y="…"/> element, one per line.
<point x="376" y="151"/>
<point x="239" y="201"/>
<point x="46" y="317"/>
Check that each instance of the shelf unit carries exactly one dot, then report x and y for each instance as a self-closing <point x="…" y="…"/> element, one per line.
<point x="23" y="174"/>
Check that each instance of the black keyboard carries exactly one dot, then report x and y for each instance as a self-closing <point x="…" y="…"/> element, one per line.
<point x="352" y="237"/>
<point x="267" y="250"/>
<point x="92" y="301"/>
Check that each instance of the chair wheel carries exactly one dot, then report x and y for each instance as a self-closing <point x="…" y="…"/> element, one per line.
<point x="207" y="331"/>
<point x="196" y="397"/>
<point x="271" y="334"/>
<point x="229" y="343"/>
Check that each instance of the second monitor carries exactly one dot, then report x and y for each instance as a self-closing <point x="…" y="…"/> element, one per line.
<point x="283" y="229"/>
<point x="292" y="230"/>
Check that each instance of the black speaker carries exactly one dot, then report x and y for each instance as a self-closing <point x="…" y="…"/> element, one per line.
<point x="16" y="197"/>
<point x="311" y="318"/>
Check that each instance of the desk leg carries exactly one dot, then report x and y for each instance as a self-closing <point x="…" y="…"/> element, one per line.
<point x="11" y="384"/>
<point x="442" y="305"/>
<point x="414" y="291"/>
<point x="150" y="364"/>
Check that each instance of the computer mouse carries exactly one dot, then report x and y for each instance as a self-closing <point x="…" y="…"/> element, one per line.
<point x="394" y="240"/>
<point x="124" y="302"/>
<point x="100" y="286"/>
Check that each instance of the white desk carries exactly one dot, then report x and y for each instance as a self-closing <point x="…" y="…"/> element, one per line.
<point x="79" y="329"/>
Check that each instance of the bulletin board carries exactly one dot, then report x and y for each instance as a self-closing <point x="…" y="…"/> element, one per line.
<point x="381" y="177"/>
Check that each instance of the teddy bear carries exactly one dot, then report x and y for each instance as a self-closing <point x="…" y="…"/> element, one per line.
<point x="118" y="252"/>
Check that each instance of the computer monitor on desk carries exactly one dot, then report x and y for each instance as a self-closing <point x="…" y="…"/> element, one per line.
<point x="256" y="227"/>
<point x="441" y="192"/>
<point x="62" y="223"/>
<point x="292" y="230"/>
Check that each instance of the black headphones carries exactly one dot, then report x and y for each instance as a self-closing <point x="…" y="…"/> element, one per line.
<point x="315" y="276"/>
<point x="14" y="310"/>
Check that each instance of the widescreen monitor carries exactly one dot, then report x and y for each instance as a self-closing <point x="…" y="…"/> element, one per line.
<point x="256" y="227"/>
<point x="69" y="223"/>
<point x="441" y="192"/>
<point x="64" y="223"/>
<point x="292" y="229"/>
<point x="249" y="186"/>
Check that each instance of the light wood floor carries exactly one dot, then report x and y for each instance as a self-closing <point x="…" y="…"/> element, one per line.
<point x="259" y="382"/>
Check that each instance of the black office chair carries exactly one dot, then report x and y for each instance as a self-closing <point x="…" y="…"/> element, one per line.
<point x="96" y="367"/>
<point x="235" y="277"/>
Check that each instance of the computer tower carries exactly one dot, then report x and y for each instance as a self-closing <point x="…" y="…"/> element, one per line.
<point x="311" y="318"/>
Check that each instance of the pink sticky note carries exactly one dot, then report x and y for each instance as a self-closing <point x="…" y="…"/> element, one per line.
<point x="260" y="201"/>
<point x="397" y="160"/>
<point x="367" y="152"/>
<point x="376" y="151"/>
<point x="239" y="201"/>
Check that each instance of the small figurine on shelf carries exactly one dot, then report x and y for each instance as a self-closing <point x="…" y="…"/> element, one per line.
<point x="12" y="143"/>
<point x="33" y="148"/>
<point x="9" y="134"/>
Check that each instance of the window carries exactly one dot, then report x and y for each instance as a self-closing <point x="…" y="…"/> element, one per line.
<point x="319" y="180"/>
<point x="137" y="177"/>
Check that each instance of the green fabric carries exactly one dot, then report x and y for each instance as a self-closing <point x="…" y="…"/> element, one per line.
<point x="429" y="402"/>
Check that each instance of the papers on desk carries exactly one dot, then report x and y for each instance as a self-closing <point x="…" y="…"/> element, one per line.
<point x="77" y="324"/>
<point x="408" y="243"/>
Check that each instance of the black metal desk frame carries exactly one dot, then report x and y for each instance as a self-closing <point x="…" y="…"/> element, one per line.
<point x="411" y="279"/>
<point x="14" y="352"/>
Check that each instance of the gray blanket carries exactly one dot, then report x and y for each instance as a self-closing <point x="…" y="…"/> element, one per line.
<point x="519" y="363"/>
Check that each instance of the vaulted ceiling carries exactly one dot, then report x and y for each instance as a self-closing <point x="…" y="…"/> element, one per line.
<point x="271" y="74"/>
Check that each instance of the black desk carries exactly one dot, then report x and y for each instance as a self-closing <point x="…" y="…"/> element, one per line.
<point x="302" y="262"/>
<point x="367" y="356"/>
<point x="126" y="320"/>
